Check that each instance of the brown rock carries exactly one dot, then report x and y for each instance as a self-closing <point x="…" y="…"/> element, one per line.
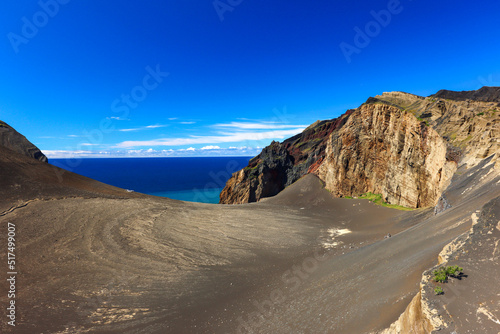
<point x="385" y="150"/>
<point x="16" y="142"/>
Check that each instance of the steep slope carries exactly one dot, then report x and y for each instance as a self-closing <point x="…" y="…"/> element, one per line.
<point x="402" y="146"/>
<point x="24" y="179"/>
<point x="15" y="141"/>
<point x="470" y="303"/>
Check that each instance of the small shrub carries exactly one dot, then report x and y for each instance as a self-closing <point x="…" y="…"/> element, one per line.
<point x="480" y="114"/>
<point x="438" y="291"/>
<point x="441" y="275"/>
<point x="454" y="271"/>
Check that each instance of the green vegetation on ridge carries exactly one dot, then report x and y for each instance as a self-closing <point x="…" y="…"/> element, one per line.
<point x="377" y="199"/>
<point x="441" y="275"/>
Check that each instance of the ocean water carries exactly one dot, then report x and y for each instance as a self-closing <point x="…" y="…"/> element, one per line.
<point x="188" y="179"/>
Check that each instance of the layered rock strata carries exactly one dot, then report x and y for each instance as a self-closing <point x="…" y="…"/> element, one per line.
<point x="402" y="146"/>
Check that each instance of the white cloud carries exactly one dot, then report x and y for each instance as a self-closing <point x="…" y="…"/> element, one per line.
<point x="118" y="118"/>
<point x="258" y="125"/>
<point x="172" y="118"/>
<point x="224" y="138"/>
<point x="191" y="149"/>
<point x="87" y="144"/>
<point x="211" y="147"/>
<point x="187" y="122"/>
<point x="60" y="154"/>
<point x="144" y="128"/>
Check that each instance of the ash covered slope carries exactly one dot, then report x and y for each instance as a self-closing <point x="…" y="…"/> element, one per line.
<point x="15" y="141"/>
<point x="24" y="179"/>
<point x="402" y="146"/>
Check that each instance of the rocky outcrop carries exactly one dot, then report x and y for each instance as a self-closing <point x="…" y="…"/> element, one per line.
<point x="386" y="150"/>
<point x="402" y="146"/>
<point x="16" y="142"/>
<point x="281" y="164"/>
<point x="413" y="320"/>
<point x="468" y="121"/>
<point x="427" y="313"/>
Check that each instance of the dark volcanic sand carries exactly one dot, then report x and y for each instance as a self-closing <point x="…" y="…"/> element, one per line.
<point x="471" y="304"/>
<point x="127" y="263"/>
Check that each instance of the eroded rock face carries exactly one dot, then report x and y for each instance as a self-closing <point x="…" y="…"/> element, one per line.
<point x="281" y="164"/>
<point x="16" y="142"/>
<point x="266" y="176"/>
<point x="385" y="150"/>
<point x="469" y="121"/>
<point x="403" y="146"/>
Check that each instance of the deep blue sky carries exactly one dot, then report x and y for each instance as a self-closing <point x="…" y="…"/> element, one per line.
<point x="265" y="71"/>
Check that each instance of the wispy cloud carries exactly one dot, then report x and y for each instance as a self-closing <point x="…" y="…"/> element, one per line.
<point x="224" y="138"/>
<point x="141" y="128"/>
<point x="187" y="122"/>
<point x="59" y="154"/>
<point x="118" y="118"/>
<point x="257" y="125"/>
<point x="185" y="152"/>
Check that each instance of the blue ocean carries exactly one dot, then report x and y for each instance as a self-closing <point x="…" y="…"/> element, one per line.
<point x="187" y="179"/>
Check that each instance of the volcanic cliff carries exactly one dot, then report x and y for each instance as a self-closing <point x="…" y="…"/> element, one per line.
<point x="402" y="146"/>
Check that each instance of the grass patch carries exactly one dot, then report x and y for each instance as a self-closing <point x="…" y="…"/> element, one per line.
<point x="420" y="119"/>
<point x="480" y="114"/>
<point x="438" y="291"/>
<point x="377" y="199"/>
<point x="301" y="144"/>
<point x="248" y="168"/>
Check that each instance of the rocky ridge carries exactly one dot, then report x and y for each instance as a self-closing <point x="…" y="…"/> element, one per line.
<point x="402" y="146"/>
